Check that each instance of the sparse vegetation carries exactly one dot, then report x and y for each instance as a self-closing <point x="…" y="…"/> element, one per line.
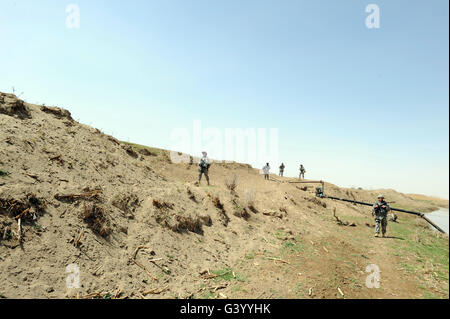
<point x="191" y="196"/>
<point x="178" y="222"/>
<point x="162" y="204"/>
<point x="227" y="274"/>
<point x="249" y="200"/>
<point x="249" y="197"/>
<point x="126" y="202"/>
<point x="240" y="211"/>
<point x="88" y="195"/>
<point x="94" y="216"/>
<point x="232" y="183"/>
<point x="223" y="215"/>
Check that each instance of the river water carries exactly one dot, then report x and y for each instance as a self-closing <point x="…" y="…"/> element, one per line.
<point x="440" y="218"/>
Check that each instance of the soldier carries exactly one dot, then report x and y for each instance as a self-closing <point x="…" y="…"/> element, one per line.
<point x="282" y="169"/>
<point x="380" y="210"/>
<point x="302" y="172"/>
<point x="266" y="170"/>
<point x="204" y="167"/>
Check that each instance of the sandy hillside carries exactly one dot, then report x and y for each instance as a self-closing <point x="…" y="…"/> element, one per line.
<point x="137" y="226"/>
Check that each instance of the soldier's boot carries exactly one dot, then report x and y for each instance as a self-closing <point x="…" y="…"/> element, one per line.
<point x="376" y="235"/>
<point x="383" y="235"/>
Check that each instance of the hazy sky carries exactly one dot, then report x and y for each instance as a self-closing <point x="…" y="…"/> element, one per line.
<point x="358" y="107"/>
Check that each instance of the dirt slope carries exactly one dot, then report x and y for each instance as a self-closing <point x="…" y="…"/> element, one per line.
<point x="136" y="225"/>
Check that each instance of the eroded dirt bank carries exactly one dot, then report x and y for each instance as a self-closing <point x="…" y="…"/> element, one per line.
<point x="136" y="226"/>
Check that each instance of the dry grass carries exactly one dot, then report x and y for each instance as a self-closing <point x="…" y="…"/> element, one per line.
<point x="317" y="201"/>
<point x="232" y="183"/>
<point x="22" y="207"/>
<point x="222" y="213"/>
<point x="218" y="204"/>
<point x="94" y="216"/>
<point x="130" y="151"/>
<point x="88" y="194"/>
<point x="126" y="203"/>
<point x="162" y="204"/>
<point x="180" y="223"/>
<point x="191" y="196"/>
<point x="421" y="223"/>
<point x="189" y="223"/>
<point x="147" y="152"/>
<point x="249" y="197"/>
<point x="242" y="213"/>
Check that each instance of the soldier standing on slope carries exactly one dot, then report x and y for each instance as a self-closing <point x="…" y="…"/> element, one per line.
<point x="380" y="210"/>
<point x="204" y="167"/>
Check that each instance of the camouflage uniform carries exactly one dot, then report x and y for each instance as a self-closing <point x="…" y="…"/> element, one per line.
<point x="281" y="169"/>
<point x="380" y="214"/>
<point x="302" y="172"/>
<point x="266" y="170"/>
<point x="204" y="167"/>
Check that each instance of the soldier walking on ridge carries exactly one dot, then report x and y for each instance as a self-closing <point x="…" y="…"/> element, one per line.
<point x="266" y="170"/>
<point x="282" y="169"/>
<point x="302" y="172"/>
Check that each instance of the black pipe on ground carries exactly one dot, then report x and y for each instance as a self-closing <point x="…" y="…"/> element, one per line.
<point x="394" y="209"/>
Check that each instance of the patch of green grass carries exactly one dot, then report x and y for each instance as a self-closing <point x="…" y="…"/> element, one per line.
<point x="250" y="256"/>
<point x="279" y="234"/>
<point x="238" y="288"/>
<point x="430" y="295"/>
<point x="355" y="283"/>
<point x="207" y="294"/>
<point x="300" y="290"/>
<point x="160" y="275"/>
<point x="422" y="252"/>
<point x="37" y="227"/>
<point x="290" y="246"/>
<point x="226" y="274"/>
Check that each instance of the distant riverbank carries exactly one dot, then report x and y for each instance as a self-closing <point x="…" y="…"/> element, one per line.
<point x="440" y="217"/>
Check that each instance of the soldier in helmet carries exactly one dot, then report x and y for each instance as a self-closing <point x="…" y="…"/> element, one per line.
<point x="302" y="172"/>
<point x="203" y="168"/>
<point x="380" y="211"/>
